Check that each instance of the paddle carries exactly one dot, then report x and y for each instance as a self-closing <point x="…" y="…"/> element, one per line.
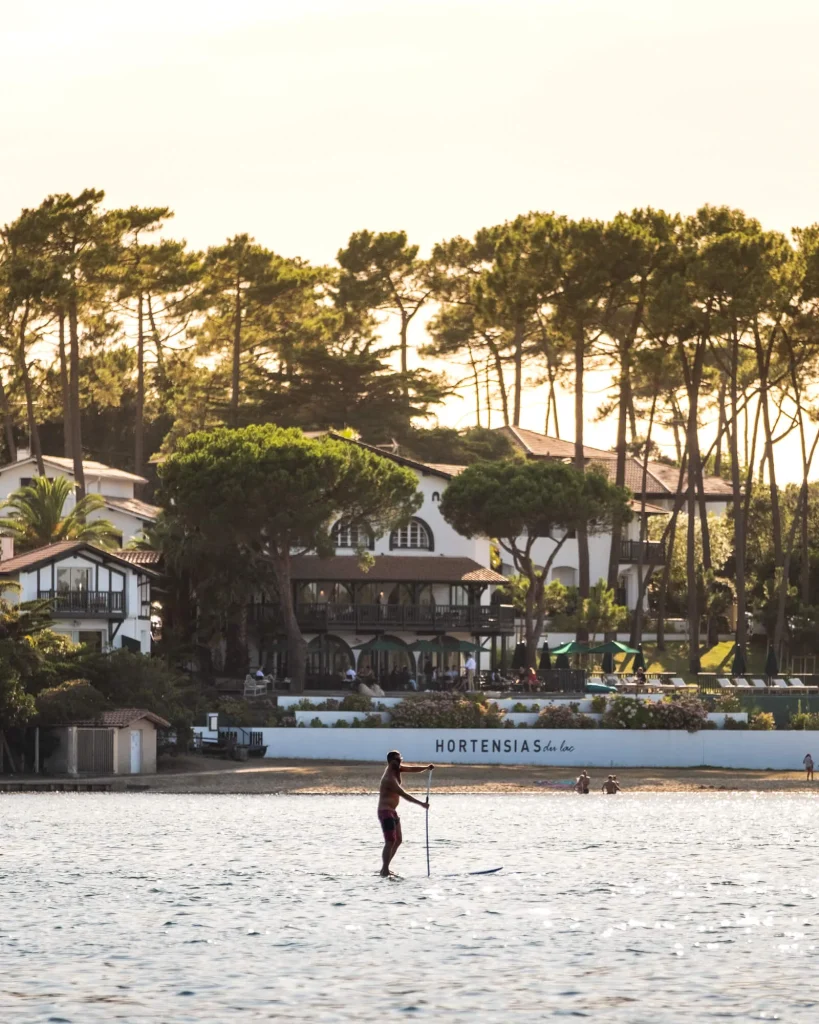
<point x="429" y="783"/>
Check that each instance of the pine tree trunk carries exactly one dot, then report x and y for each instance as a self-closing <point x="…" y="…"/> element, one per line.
<point x="583" y="582"/>
<point x="76" y="426"/>
<point x="296" y="646"/>
<point x="237" y="355"/>
<point x="139" y="405"/>
<point x="8" y="422"/>
<point x="33" y="432"/>
<point x="518" y="344"/>
<point x="65" y="389"/>
<point x="736" y="489"/>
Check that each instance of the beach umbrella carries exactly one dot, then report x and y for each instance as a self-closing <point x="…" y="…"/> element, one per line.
<point x="562" y="661"/>
<point x="380" y="644"/>
<point x="608" y="663"/>
<point x="771" y="664"/>
<point x="739" y="668"/>
<point x="613" y="647"/>
<point x="519" y="657"/>
<point x="571" y="647"/>
<point x="639" y="659"/>
<point x="545" y="664"/>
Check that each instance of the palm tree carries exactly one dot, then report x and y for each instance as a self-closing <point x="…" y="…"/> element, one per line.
<point x="36" y="516"/>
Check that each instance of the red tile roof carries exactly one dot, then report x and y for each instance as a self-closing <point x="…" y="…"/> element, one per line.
<point x="140" y="556"/>
<point x="393" y="569"/>
<point x="121" y="718"/>
<point x="52" y="552"/>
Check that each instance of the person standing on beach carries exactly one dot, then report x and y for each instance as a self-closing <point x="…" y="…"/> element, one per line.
<point x="807" y="761"/>
<point x="611" y="786"/>
<point x="389" y="795"/>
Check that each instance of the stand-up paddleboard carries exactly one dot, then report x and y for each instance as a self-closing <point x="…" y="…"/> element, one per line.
<point x="489" y="871"/>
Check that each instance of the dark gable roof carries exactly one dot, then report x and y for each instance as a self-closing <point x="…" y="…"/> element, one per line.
<point x="545" y="447"/>
<point x="435" y="469"/>
<point x="53" y="552"/>
<point x="133" y="507"/>
<point x="393" y="569"/>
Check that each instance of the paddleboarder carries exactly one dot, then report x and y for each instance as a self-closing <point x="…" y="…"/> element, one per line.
<point x="389" y="795"/>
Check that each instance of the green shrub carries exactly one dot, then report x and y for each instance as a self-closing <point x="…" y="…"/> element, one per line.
<point x="805" y="720"/>
<point x="726" y="702"/>
<point x="686" y="713"/>
<point x="598" y="703"/>
<point x="73" y="701"/>
<point x="356" y="702"/>
<point x="733" y="724"/>
<point x="556" y="716"/>
<point x="305" y="704"/>
<point x="316" y="723"/>
<point x="340" y="724"/>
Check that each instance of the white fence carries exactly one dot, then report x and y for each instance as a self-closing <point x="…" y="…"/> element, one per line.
<point x="585" y="748"/>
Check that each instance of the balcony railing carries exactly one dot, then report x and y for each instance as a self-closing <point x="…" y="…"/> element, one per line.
<point x="85" y="603"/>
<point x="653" y="551"/>
<point x="432" y="618"/>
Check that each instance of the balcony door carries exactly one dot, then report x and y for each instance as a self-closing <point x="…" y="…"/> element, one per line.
<point x="72" y="580"/>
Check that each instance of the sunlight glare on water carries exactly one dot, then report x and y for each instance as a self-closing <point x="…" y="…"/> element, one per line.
<point x="187" y="909"/>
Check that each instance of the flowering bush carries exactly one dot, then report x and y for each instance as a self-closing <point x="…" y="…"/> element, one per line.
<point x="446" y="711"/>
<point x="563" y="716"/>
<point x="687" y="713"/>
<point x="725" y="702"/>
<point x="598" y="703"/>
<point x="626" y="713"/>
<point x="761" y="720"/>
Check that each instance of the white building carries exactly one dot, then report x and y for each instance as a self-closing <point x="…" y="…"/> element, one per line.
<point x="128" y="514"/>
<point x="97" y="598"/>
<point x="427" y="582"/>
<point x="658" y="500"/>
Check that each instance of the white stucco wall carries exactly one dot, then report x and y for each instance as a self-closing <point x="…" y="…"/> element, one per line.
<point x="570" y="748"/>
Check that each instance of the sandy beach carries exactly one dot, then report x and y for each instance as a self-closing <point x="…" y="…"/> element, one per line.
<point x="196" y="774"/>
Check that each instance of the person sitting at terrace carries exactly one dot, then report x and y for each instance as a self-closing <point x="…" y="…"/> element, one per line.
<point x="531" y="680"/>
<point x="640" y="676"/>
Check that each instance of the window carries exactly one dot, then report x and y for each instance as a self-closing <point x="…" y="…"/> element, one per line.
<point x="92" y="639"/>
<point x="352" y="535"/>
<point x="26" y="481"/>
<point x="416" y="534"/>
<point x="144" y="597"/>
<point x="436" y="495"/>
<point x="566" y="574"/>
<point x="74" y="580"/>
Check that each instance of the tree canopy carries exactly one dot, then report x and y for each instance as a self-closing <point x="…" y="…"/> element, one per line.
<point x="266" y="493"/>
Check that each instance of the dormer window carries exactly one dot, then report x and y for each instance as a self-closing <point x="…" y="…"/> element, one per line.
<point x="352" y="535"/>
<point x="415" y="535"/>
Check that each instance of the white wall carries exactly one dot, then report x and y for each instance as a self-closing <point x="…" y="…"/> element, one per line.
<point x="570" y="748"/>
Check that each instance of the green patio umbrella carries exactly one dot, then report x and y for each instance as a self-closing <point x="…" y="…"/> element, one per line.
<point x="571" y="647"/>
<point x="613" y="647"/>
<point x="430" y="647"/>
<point x="380" y="644"/>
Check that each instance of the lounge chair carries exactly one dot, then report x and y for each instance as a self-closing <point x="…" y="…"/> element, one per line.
<point x="797" y="684"/>
<point x="741" y="683"/>
<point x="779" y="684"/>
<point x="725" y="684"/>
<point x="255" y="687"/>
<point x="759" y="684"/>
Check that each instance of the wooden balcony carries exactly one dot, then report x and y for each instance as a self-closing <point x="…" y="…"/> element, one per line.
<point x="85" y="604"/>
<point x="653" y="551"/>
<point x="375" y="618"/>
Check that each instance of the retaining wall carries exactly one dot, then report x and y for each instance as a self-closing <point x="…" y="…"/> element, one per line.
<point x="601" y="748"/>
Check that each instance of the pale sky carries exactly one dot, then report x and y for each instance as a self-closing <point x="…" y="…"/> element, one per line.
<point x="300" y="122"/>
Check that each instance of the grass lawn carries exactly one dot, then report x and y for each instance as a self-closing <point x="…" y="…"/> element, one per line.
<point x="714" y="659"/>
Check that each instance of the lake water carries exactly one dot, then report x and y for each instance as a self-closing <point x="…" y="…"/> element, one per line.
<point x="637" y="908"/>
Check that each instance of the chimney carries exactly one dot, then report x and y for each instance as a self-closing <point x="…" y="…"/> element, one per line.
<point x="6" y="548"/>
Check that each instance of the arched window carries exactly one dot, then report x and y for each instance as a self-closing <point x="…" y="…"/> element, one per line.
<point x="416" y="534"/>
<point x="566" y="574"/>
<point x="436" y="495"/>
<point x="352" y="535"/>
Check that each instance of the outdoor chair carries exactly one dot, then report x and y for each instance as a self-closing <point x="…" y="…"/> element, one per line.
<point x="255" y="687"/>
<point x="797" y="684"/>
<point x="741" y="683"/>
<point x="779" y="684"/>
<point x="759" y="684"/>
<point x="725" y="684"/>
<point x="679" y="684"/>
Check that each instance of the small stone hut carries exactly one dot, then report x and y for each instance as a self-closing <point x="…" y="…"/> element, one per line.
<point x="117" y="742"/>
